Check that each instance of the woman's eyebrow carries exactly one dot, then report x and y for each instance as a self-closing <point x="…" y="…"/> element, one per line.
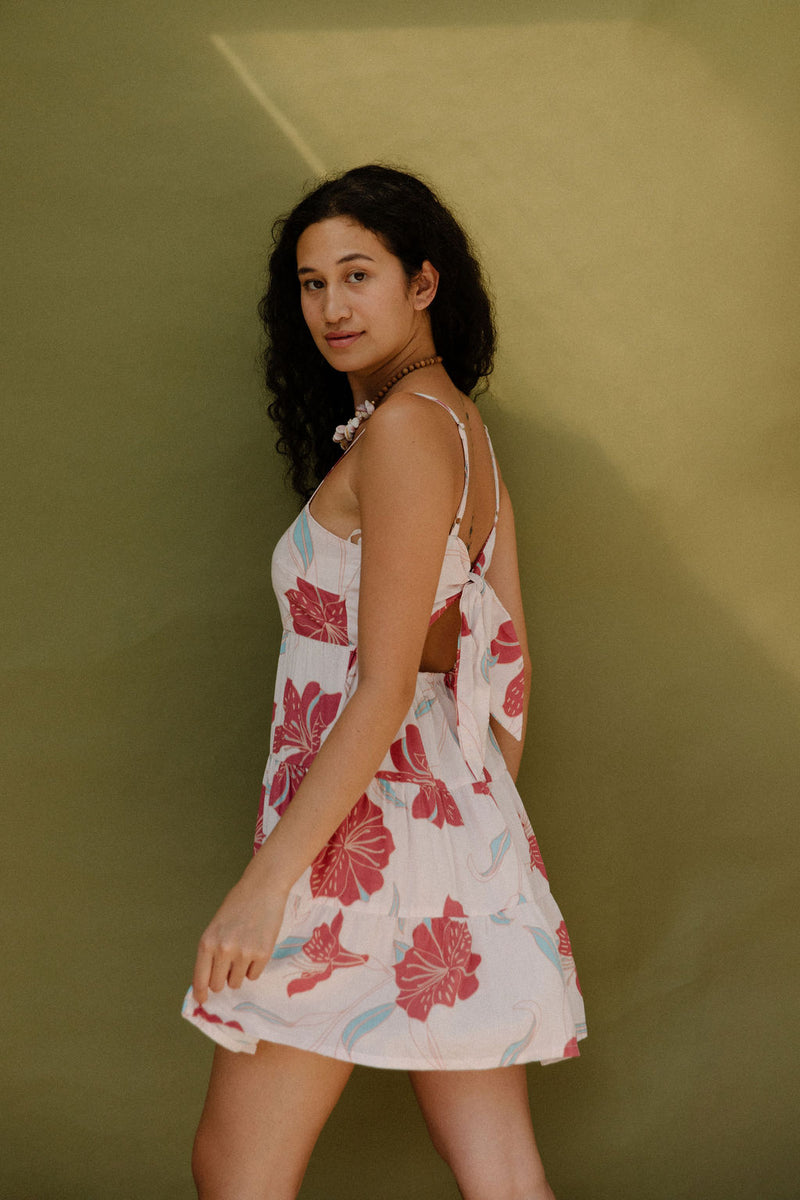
<point x="347" y="258"/>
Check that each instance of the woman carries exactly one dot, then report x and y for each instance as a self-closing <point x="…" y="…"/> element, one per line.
<point x="396" y="912"/>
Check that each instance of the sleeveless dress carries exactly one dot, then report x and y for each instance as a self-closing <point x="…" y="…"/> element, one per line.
<point x="424" y="934"/>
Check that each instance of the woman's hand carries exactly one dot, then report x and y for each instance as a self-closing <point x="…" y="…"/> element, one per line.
<point x="239" y="940"/>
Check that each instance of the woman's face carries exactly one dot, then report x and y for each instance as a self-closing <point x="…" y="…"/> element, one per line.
<point x="357" y="302"/>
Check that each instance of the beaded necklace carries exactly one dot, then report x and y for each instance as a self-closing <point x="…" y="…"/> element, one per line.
<point x="345" y="433"/>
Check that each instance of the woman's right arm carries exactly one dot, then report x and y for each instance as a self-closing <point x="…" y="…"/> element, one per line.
<point x="407" y="488"/>
<point x="503" y="575"/>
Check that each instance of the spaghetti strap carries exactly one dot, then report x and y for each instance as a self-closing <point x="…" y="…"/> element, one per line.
<point x="462" y="506"/>
<point x="496" y="476"/>
<point x="454" y="528"/>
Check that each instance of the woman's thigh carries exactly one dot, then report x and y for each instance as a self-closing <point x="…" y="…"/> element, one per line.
<point x="480" y="1122"/>
<point x="262" y="1116"/>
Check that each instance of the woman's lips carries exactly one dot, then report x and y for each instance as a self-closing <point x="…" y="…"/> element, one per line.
<point x="338" y="341"/>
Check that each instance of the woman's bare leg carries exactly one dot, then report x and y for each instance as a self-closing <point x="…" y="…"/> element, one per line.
<point x="480" y="1122"/>
<point x="262" y="1117"/>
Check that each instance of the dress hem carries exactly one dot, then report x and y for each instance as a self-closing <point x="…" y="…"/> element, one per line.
<point x="241" y="1042"/>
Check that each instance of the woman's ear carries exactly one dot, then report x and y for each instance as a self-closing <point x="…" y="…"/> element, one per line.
<point x="424" y="285"/>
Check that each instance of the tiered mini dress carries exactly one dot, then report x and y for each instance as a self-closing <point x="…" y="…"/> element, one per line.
<point x="424" y="934"/>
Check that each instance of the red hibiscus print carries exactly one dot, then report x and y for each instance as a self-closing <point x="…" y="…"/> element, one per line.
<point x="325" y="949"/>
<point x="440" y="967"/>
<point x="318" y="614"/>
<point x="260" y="837"/>
<point x="349" y="866"/>
<point x="571" y="1049"/>
<point x="305" y="719"/>
<point x="515" y="694"/>
<point x="285" y="782"/>
<point x="565" y="950"/>
<point x="199" y="1011"/>
<point x="505" y="647"/>
<point x="434" y="801"/>
<point x="482" y="786"/>
<point x="537" y="862"/>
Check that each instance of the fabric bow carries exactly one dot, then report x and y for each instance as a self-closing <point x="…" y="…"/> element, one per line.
<point x="489" y="672"/>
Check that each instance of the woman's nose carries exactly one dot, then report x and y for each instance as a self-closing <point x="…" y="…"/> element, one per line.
<point x="335" y="305"/>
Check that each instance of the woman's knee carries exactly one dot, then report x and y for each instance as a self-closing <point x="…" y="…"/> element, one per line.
<point x="206" y="1161"/>
<point x="210" y="1163"/>
<point x="220" y="1174"/>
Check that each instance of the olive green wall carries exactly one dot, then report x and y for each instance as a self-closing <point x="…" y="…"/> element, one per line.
<point x="630" y="170"/>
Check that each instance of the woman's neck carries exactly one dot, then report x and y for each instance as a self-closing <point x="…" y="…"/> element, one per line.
<point x="370" y="386"/>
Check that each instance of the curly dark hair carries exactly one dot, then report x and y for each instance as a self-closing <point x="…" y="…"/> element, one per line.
<point x="308" y="397"/>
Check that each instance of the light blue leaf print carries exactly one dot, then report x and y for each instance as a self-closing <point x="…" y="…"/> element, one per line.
<point x="364" y="1023"/>
<point x="284" y="640"/>
<point x="400" y="950"/>
<point x="278" y="798"/>
<point x="302" y="539"/>
<point x="500" y="918"/>
<point x="499" y="847"/>
<point x="248" y="1006"/>
<point x="493" y="740"/>
<point x="513" y="1051"/>
<point x="395" y="909"/>
<point x="546" y="945"/>
<point x="487" y="662"/>
<point x="289" y="946"/>
<point x="423" y="707"/>
<point x="388" y="793"/>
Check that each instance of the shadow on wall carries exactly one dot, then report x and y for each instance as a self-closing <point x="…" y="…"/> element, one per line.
<point x="661" y="776"/>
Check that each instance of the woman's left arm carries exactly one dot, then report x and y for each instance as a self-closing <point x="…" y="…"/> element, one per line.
<point x="407" y="481"/>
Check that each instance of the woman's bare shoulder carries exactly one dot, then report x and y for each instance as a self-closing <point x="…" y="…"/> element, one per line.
<point x="412" y="420"/>
<point x="413" y="443"/>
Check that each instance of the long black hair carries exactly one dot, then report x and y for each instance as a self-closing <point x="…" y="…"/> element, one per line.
<point x="308" y="398"/>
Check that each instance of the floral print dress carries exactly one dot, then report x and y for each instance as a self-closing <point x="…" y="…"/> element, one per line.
<point x="423" y="935"/>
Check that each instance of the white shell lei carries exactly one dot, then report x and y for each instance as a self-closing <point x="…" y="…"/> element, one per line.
<point x="346" y="433"/>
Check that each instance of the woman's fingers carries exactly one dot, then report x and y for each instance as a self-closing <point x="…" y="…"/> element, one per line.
<point x="238" y="971"/>
<point x="257" y="966"/>
<point x="202" y="972"/>
<point x="238" y="943"/>
<point x="214" y="969"/>
<point x="224" y="962"/>
<point x="248" y="965"/>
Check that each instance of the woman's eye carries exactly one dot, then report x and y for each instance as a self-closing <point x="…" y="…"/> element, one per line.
<point x="312" y="285"/>
<point x="357" y="276"/>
